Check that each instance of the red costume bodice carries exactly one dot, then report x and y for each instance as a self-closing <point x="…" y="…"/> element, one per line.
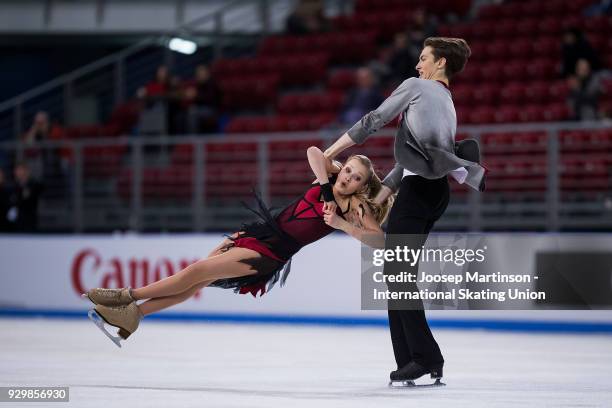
<point x="303" y="219"/>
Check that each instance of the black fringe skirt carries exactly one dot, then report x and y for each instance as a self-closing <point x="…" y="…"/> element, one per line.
<point x="275" y="246"/>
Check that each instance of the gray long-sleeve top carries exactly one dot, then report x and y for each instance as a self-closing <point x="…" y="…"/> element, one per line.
<point x="425" y="138"/>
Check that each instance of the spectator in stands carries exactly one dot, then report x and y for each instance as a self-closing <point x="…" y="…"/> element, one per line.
<point x="175" y="107"/>
<point x="307" y="18"/>
<point x="162" y="103"/>
<point x="585" y="89"/>
<point x="380" y="66"/>
<point x="158" y="88"/>
<point x="575" y="46"/>
<point x="204" y="102"/>
<point x="423" y="25"/>
<point x="41" y="160"/>
<point x="23" y="211"/>
<point x="39" y="130"/>
<point x="4" y="203"/>
<point x="365" y="97"/>
<point x="406" y="50"/>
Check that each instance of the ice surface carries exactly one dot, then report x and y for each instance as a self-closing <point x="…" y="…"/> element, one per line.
<point x="222" y="365"/>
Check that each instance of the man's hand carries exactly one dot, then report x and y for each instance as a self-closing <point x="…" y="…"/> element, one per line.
<point x="343" y="143"/>
<point x="383" y="194"/>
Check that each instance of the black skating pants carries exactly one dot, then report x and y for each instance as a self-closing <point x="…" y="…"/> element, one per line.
<point x="419" y="204"/>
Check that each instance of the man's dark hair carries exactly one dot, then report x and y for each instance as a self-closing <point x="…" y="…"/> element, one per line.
<point x="455" y="50"/>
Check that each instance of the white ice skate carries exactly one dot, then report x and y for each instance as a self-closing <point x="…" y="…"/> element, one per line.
<point x="98" y="321"/>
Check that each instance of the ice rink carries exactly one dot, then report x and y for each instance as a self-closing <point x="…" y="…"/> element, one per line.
<point x="221" y="365"/>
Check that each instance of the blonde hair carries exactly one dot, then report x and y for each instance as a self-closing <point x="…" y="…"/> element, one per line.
<point x="372" y="188"/>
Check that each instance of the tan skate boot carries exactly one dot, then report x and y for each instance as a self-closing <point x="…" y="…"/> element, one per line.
<point x="125" y="318"/>
<point x="109" y="297"/>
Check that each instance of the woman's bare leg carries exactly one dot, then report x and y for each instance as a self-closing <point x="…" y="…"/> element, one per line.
<point x="225" y="265"/>
<point x="157" y="304"/>
<point x="160" y="303"/>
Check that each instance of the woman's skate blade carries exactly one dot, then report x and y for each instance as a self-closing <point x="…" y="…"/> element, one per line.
<point x="99" y="322"/>
<point x="411" y="384"/>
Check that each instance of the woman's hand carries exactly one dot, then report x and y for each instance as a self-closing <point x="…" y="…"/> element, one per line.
<point x="332" y="219"/>
<point x="330" y="206"/>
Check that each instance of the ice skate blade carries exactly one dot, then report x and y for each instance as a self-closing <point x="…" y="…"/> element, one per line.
<point x="412" y="384"/>
<point x="99" y="322"/>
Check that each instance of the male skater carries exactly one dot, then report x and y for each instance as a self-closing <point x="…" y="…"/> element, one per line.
<point x="426" y="153"/>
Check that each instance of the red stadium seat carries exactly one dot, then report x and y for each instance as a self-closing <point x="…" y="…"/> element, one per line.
<point x="537" y="92"/>
<point x="463" y="114"/>
<point x="515" y="70"/>
<point x="558" y="91"/>
<point x="497" y="49"/>
<point x="462" y="94"/>
<point x="505" y="28"/>
<point x="520" y="48"/>
<point x="471" y="74"/>
<point x="554" y="8"/>
<point x="557" y="112"/>
<point x="485" y="94"/>
<point x="483" y="29"/>
<point x="532" y="113"/>
<point x="573" y="141"/>
<point x="479" y="51"/>
<point x="547" y="47"/>
<point x="182" y="154"/>
<point x="528" y="25"/>
<point x="342" y="79"/>
<point x="492" y="72"/>
<point x="531" y="9"/>
<point x="490" y="12"/>
<point x="542" y="68"/>
<point x="550" y="26"/>
<point x="510" y="10"/>
<point x="482" y="115"/>
<point x="513" y="93"/>
<point x="311" y="103"/>
<point x="507" y="114"/>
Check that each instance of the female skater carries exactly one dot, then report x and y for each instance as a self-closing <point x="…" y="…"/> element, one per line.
<point x="340" y="198"/>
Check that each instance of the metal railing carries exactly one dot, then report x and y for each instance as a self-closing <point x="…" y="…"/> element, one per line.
<point x="196" y="183"/>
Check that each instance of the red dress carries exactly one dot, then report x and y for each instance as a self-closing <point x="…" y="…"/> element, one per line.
<point x="277" y="238"/>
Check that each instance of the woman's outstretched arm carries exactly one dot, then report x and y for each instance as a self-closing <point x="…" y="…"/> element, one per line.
<point x="322" y="167"/>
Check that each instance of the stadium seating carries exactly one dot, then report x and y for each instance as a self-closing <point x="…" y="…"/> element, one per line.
<point x="513" y="76"/>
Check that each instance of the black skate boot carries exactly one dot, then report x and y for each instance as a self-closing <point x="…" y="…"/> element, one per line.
<point x="405" y="376"/>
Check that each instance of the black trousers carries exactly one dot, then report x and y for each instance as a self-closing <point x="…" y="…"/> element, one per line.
<point x="419" y="204"/>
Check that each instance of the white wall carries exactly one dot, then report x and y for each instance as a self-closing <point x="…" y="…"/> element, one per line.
<point x="49" y="273"/>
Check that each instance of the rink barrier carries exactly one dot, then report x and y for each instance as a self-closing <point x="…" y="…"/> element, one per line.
<point x="541" y="326"/>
